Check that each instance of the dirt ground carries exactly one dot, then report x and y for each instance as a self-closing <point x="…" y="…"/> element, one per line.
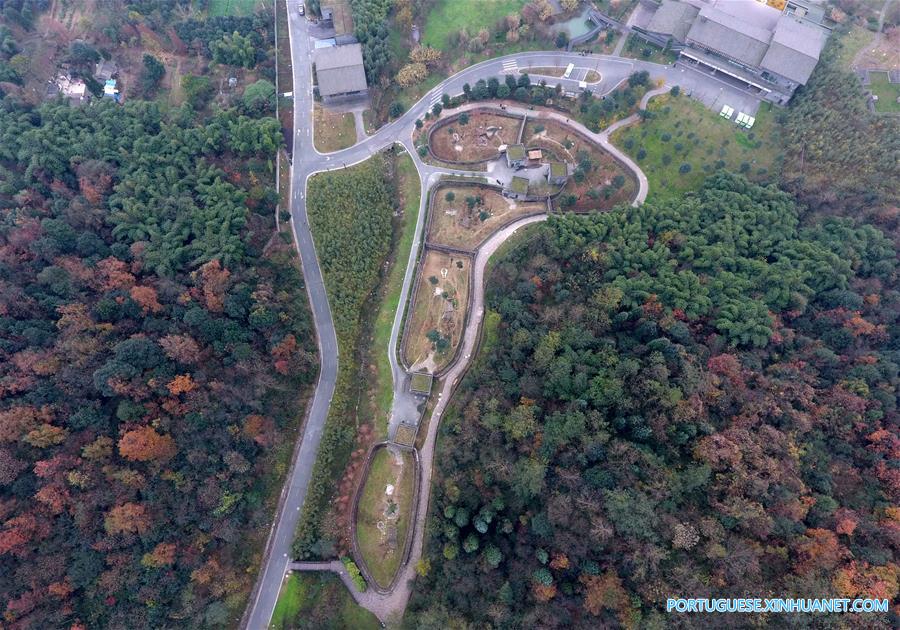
<point x="882" y="55"/>
<point x="441" y="301"/>
<point x="566" y="145"/>
<point x="453" y="223"/>
<point x="475" y="141"/>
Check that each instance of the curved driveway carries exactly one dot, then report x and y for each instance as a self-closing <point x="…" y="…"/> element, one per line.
<point x="306" y="161"/>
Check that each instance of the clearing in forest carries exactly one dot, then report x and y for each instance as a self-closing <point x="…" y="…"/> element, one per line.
<point x="439" y="311"/>
<point x="684" y="143"/>
<point x="477" y="140"/>
<point x="385" y="508"/>
<point x="464" y="216"/>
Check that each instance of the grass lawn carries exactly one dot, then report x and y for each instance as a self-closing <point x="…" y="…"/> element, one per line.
<point x="637" y="48"/>
<point x="449" y="16"/>
<point x="887" y="92"/>
<point x="685" y="132"/>
<point x="333" y="131"/>
<point x="382" y="547"/>
<point x="409" y="189"/>
<point x="318" y="600"/>
<point x="852" y="43"/>
<point x="232" y="7"/>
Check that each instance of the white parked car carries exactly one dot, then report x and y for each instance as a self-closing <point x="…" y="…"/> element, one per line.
<point x="301" y="9"/>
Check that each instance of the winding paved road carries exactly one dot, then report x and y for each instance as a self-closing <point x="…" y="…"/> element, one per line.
<point x="307" y="161"/>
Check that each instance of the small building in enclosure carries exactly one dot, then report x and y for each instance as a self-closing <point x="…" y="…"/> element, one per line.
<point x="558" y="173"/>
<point x="515" y="156"/>
<point x="517" y="188"/>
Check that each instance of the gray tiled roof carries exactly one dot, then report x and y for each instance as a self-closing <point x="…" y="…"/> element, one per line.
<point x="673" y="18"/>
<point x="729" y="35"/>
<point x="339" y="69"/>
<point x="795" y="49"/>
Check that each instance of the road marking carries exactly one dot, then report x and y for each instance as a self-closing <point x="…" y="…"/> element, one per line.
<point x="510" y="66"/>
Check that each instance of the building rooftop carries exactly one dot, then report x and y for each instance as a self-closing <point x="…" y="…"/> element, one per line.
<point x="515" y="152"/>
<point x="795" y="49"/>
<point x="673" y="18"/>
<point x="558" y="169"/>
<point x="535" y="154"/>
<point x="340" y="70"/>
<point x="729" y="35"/>
<point x="519" y="185"/>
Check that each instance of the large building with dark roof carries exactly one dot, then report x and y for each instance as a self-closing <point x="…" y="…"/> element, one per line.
<point x="340" y="71"/>
<point x="771" y="52"/>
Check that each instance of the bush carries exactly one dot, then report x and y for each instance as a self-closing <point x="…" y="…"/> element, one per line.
<point x="562" y="39"/>
<point x="684" y="168"/>
<point x="641" y="154"/>
<point x="675" y="91"/>
<point x="450" y="196"/>
<point x="419" y="123"/>
<point x="437" y="109"/>
<point x="396" y="110"/>
<point x="464" y="118"/>
<point x="423" y="151"/>
<point x="358" y="580"/>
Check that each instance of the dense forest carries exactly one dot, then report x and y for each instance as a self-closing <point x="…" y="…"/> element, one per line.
<point x="696" y="397"/>
<point x="154" y="344"/>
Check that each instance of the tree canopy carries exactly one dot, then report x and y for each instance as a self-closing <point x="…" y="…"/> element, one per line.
<point x="690" y="398"/>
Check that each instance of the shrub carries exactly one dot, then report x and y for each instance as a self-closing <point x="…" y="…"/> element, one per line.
<point x="641" y="154"/>
<point x="396" y="110"/>
<point x="419" y="123"/>
<point x="358" y="580"/>
<point x="464" y="118"/>
<point x="684" y="168"/>
<point x="675" y="91"/>
<point x="437" y="109"/>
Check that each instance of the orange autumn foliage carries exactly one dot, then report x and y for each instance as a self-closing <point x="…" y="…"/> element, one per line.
<point x="544" y="593"/>
<point x="604" y="592"/>
<point x="163" y="555"/>
<point x="214" y="281"/>
<point x="144" y="444"/>
<point x="860" y="579"/>
<point x="60" y="589"/>
<point x="130" y="518"/>
<point x="181" y="384"/>
<point x="114" y="274"/>
<point x="146" y="298"/>
<point x="560" y="561"/>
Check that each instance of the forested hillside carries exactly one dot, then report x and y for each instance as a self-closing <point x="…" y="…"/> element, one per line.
<point x="154" y="340"/>
<point x="695" y="397"/>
